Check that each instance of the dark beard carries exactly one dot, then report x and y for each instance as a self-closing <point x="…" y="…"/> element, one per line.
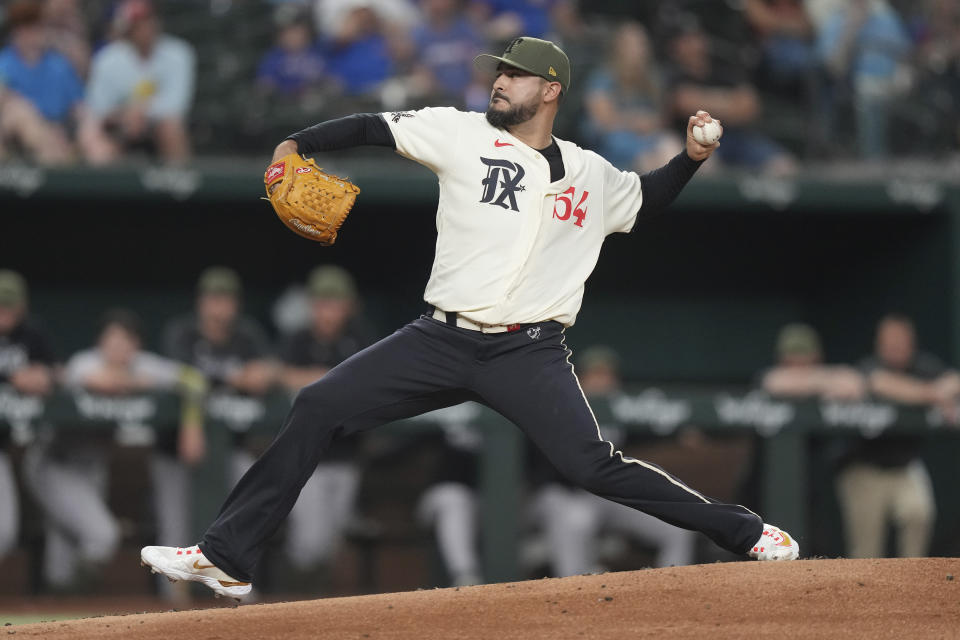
<point x="511" y="117"/>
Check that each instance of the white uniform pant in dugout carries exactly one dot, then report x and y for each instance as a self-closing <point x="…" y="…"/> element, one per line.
<point x="319" y="520"/>
<point x="9" y="506"/>
<point x="71" y="489"/>
<point x="450" y="508"/>
<point x="572" y="520"/>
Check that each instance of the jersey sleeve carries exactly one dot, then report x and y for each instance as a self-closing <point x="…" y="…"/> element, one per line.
<point x="427" y="136"/>
<point x="622" y="199"/>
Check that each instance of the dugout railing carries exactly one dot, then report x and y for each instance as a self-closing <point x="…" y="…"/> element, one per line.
<point x="785" y="427"/>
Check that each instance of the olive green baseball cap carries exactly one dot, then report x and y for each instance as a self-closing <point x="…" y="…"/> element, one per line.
<point x="533" y="55"/>
<point x="219" y="280"/>
<point x="798" y="339"/>
<point x="13" y="288"/>
<point x="330" y="281"/>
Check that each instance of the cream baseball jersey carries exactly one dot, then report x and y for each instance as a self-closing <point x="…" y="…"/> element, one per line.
<point x="512" y="247"/>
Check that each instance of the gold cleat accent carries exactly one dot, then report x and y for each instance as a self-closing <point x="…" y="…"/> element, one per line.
<point x="226" y="583"/>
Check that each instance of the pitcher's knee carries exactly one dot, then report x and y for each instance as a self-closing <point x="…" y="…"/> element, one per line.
<point x="317" y="402"/>
<point x="311" y="395"/>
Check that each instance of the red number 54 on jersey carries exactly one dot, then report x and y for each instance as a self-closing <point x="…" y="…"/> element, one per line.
<point x="565" y="200"/>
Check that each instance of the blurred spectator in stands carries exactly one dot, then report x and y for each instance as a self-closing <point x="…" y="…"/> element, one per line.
<point x="67" y="32"/>
<point x="574" y="520"/>
<point x="884" y="480"/>
<point x="504" y="20"/>
<point x="935" y="26"/>
<point x="40" y="92"/>
<point x="444" y="46"/>
<point x="864" y="47"/>
<point x="295" y="64"/>
<point x="936" y="30"/>
<point x="324" y="511"/>
<point x="698" y="81"/>
<point x="800" y="371"/>
<point x="333" y="16"/>
<point x="140" y="90"/>
<point x="785" y="36"/>
<point x="26" y="364"/>
<point x="625" y="106"/>
<point x="361" y="54"/>
<point x="577" y="34"/>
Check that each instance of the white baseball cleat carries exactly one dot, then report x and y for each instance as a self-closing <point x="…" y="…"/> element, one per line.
<point x="189" y="563"/>
<point x="774" y="544"/>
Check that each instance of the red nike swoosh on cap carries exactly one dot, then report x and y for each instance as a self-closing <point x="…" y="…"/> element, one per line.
<point x="497" y="143"/>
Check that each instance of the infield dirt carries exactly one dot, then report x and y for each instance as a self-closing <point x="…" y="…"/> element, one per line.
<point x="908" y="598"/>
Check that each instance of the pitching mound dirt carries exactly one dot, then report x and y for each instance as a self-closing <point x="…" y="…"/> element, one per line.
<point x="806" y="599"/>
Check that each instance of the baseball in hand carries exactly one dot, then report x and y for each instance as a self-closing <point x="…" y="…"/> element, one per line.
<point x="708" y="133"/>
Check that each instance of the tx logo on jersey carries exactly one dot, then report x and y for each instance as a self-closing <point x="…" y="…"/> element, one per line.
<point x="502" y="183"/>
<point x="533" y="333"/>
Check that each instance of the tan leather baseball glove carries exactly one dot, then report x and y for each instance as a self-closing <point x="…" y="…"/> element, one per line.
<point x="310" y="202"/>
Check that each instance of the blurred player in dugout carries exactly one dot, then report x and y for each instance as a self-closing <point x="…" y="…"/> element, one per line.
<point x="27" y="366"/>
<point x="232" y="353"/>
<point x="67" y="472"/>
<point x="884" y="480"/>
<point x="799" y="372"/>
<point x="334" y="331"/>
<point x="230" y="349"/>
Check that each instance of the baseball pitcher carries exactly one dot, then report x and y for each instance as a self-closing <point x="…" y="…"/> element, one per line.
<point x="520" y="222"/>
